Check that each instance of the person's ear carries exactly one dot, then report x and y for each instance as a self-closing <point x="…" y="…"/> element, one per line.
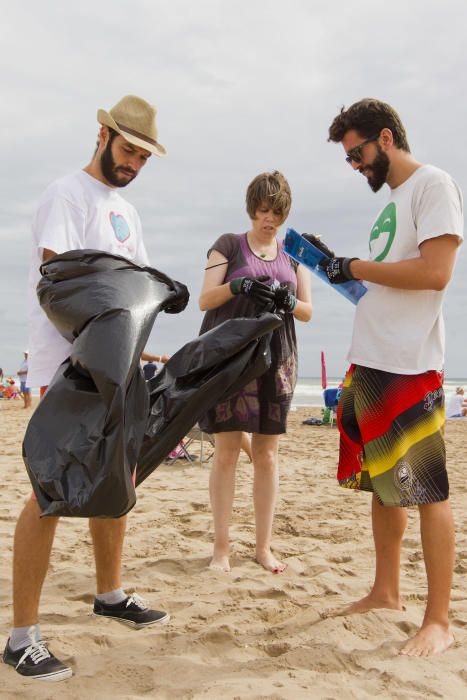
<point x="103" y="137"/>
<point x="386" y="139"/>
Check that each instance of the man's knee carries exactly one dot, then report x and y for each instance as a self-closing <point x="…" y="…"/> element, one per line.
<point x="32" y="514"/>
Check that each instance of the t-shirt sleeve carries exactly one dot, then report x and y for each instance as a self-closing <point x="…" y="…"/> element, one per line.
<point x="439" y="211"/>
<point x="59" y="226"/>
<point x="141" y="256"/>
<point x="226" y="245"/>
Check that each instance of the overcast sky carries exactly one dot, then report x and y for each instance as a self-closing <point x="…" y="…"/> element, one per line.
<point x="241" y="87"/>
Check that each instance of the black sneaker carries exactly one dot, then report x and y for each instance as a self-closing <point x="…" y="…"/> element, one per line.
<point x="36" y="661"/>
<point x="132" y="611"/>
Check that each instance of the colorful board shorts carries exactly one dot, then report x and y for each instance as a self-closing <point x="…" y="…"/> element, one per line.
<point x="392" y="436"/>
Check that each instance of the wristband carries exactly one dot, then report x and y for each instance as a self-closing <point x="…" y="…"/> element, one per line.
<point x="235" y="285"/>
<point x="346" y="267"/>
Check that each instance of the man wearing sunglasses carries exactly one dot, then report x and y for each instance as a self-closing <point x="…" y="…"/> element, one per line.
<point x="391" y="411"/>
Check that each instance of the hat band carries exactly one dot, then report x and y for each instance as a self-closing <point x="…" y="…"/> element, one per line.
<point x="138" y="134"/>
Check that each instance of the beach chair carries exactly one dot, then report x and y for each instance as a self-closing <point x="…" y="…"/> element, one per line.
<point x="181" y="451"/>
<point x="331" y="399"/>
<point x="197" y="435"/>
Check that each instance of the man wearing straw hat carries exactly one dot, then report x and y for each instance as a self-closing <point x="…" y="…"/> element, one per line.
<point x="391" y="411"/>
<point x="81" y="210"/>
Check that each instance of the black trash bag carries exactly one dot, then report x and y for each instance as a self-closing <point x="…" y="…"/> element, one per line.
<point x="83" y="441"/>
<point x="85" y="437"/>
<point x="200" y="375"/>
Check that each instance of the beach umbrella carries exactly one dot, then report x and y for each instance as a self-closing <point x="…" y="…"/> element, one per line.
<point x="324" y="381"/>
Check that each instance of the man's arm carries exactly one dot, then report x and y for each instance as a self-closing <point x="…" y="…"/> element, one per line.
<point x="303" y="311"/>
<point x="47" y="254"/>
<point x="147" y="357"/>
<point x="432" y="270"/>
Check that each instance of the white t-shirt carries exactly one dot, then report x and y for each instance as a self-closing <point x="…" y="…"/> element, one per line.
<point x="454" y="407"/>
<point x="401" y="330"/>
<point x="75" y="212"/>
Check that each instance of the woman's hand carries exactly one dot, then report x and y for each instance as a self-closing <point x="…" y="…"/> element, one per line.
<point x="285" y="300"/>
<point x="254" y="288"/>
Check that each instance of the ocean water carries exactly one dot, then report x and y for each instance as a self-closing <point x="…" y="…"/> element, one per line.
<point x="308" y="391"/>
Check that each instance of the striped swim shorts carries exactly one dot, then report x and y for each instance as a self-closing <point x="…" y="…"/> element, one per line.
<point x="392" y="436"/>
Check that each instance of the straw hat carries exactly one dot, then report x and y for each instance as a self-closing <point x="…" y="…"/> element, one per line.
<point x="135" y="120"/>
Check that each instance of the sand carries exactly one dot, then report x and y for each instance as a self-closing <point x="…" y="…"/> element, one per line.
<point x="250" y="634"/>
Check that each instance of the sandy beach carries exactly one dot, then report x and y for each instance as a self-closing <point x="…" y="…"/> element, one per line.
<point x="249" y="634"/>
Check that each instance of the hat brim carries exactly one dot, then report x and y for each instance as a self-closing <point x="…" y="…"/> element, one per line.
<point x="106" y="119"/>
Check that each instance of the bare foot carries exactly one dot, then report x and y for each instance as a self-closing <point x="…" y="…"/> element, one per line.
<point x="269" y="561"/>
<point x="430" y="639"/>
<point x="363" y="605"/>
<point x="220" y="562"/>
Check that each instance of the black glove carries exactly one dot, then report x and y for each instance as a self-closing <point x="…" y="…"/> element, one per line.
<point x="285" y="300"/>
<point x="177" y="303"/>
<point x="318" y="243"/>
<point x="254" y="288"/>
<point x="337" y="269"/>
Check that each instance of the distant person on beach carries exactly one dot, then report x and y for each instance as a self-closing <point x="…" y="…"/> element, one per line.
<point x="8" y="388"/>
<point x="244" y="273"/>
<point x="457" y="405"/>
<point x="150" y="366"/>
<point x="23" y="376"/>
<point x="149" y="370"/>
<point x="391" y="411"/>
<point x="79" y="211"/>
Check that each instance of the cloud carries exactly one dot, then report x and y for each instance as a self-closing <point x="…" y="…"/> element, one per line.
<point x="240" y="87"/>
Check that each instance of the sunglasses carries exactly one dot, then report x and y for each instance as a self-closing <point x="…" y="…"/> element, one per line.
<point x="355" y="154"/>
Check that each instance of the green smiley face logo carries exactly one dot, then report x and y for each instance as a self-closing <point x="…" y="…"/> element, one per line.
<point x="383" y="232"/>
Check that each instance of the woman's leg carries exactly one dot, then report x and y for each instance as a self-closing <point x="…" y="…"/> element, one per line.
<point x="265" y="490"/>
<point x="246" y="445"/>
<point x="221" y="491"/>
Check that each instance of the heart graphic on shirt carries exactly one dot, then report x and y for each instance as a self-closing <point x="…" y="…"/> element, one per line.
<point x="120" y="226"/>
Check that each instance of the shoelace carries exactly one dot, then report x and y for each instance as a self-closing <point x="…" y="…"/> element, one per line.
<point x="137" y="600"/>
<point x="37" y="651"/>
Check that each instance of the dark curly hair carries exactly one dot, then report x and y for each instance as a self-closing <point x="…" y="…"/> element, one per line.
<point x="368" y="117"/>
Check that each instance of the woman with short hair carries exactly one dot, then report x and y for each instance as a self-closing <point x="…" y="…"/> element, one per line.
<point x="246" y="273"/>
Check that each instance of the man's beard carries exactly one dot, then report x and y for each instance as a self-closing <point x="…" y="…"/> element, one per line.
<point x="110" y="170"/>
<point x="379" y="170"/>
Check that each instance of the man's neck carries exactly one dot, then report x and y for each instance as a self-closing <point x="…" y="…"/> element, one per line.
<point x="403" y="165"/>
<point x="94" y="170"/>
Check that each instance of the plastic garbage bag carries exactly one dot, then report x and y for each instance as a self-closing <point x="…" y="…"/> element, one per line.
<point x="82" y="442"/>
<point x="86" y="436"/>
<point x="200" y="375"/>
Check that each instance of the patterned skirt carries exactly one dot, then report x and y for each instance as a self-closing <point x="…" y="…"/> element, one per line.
<point x="261" y="406"/>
